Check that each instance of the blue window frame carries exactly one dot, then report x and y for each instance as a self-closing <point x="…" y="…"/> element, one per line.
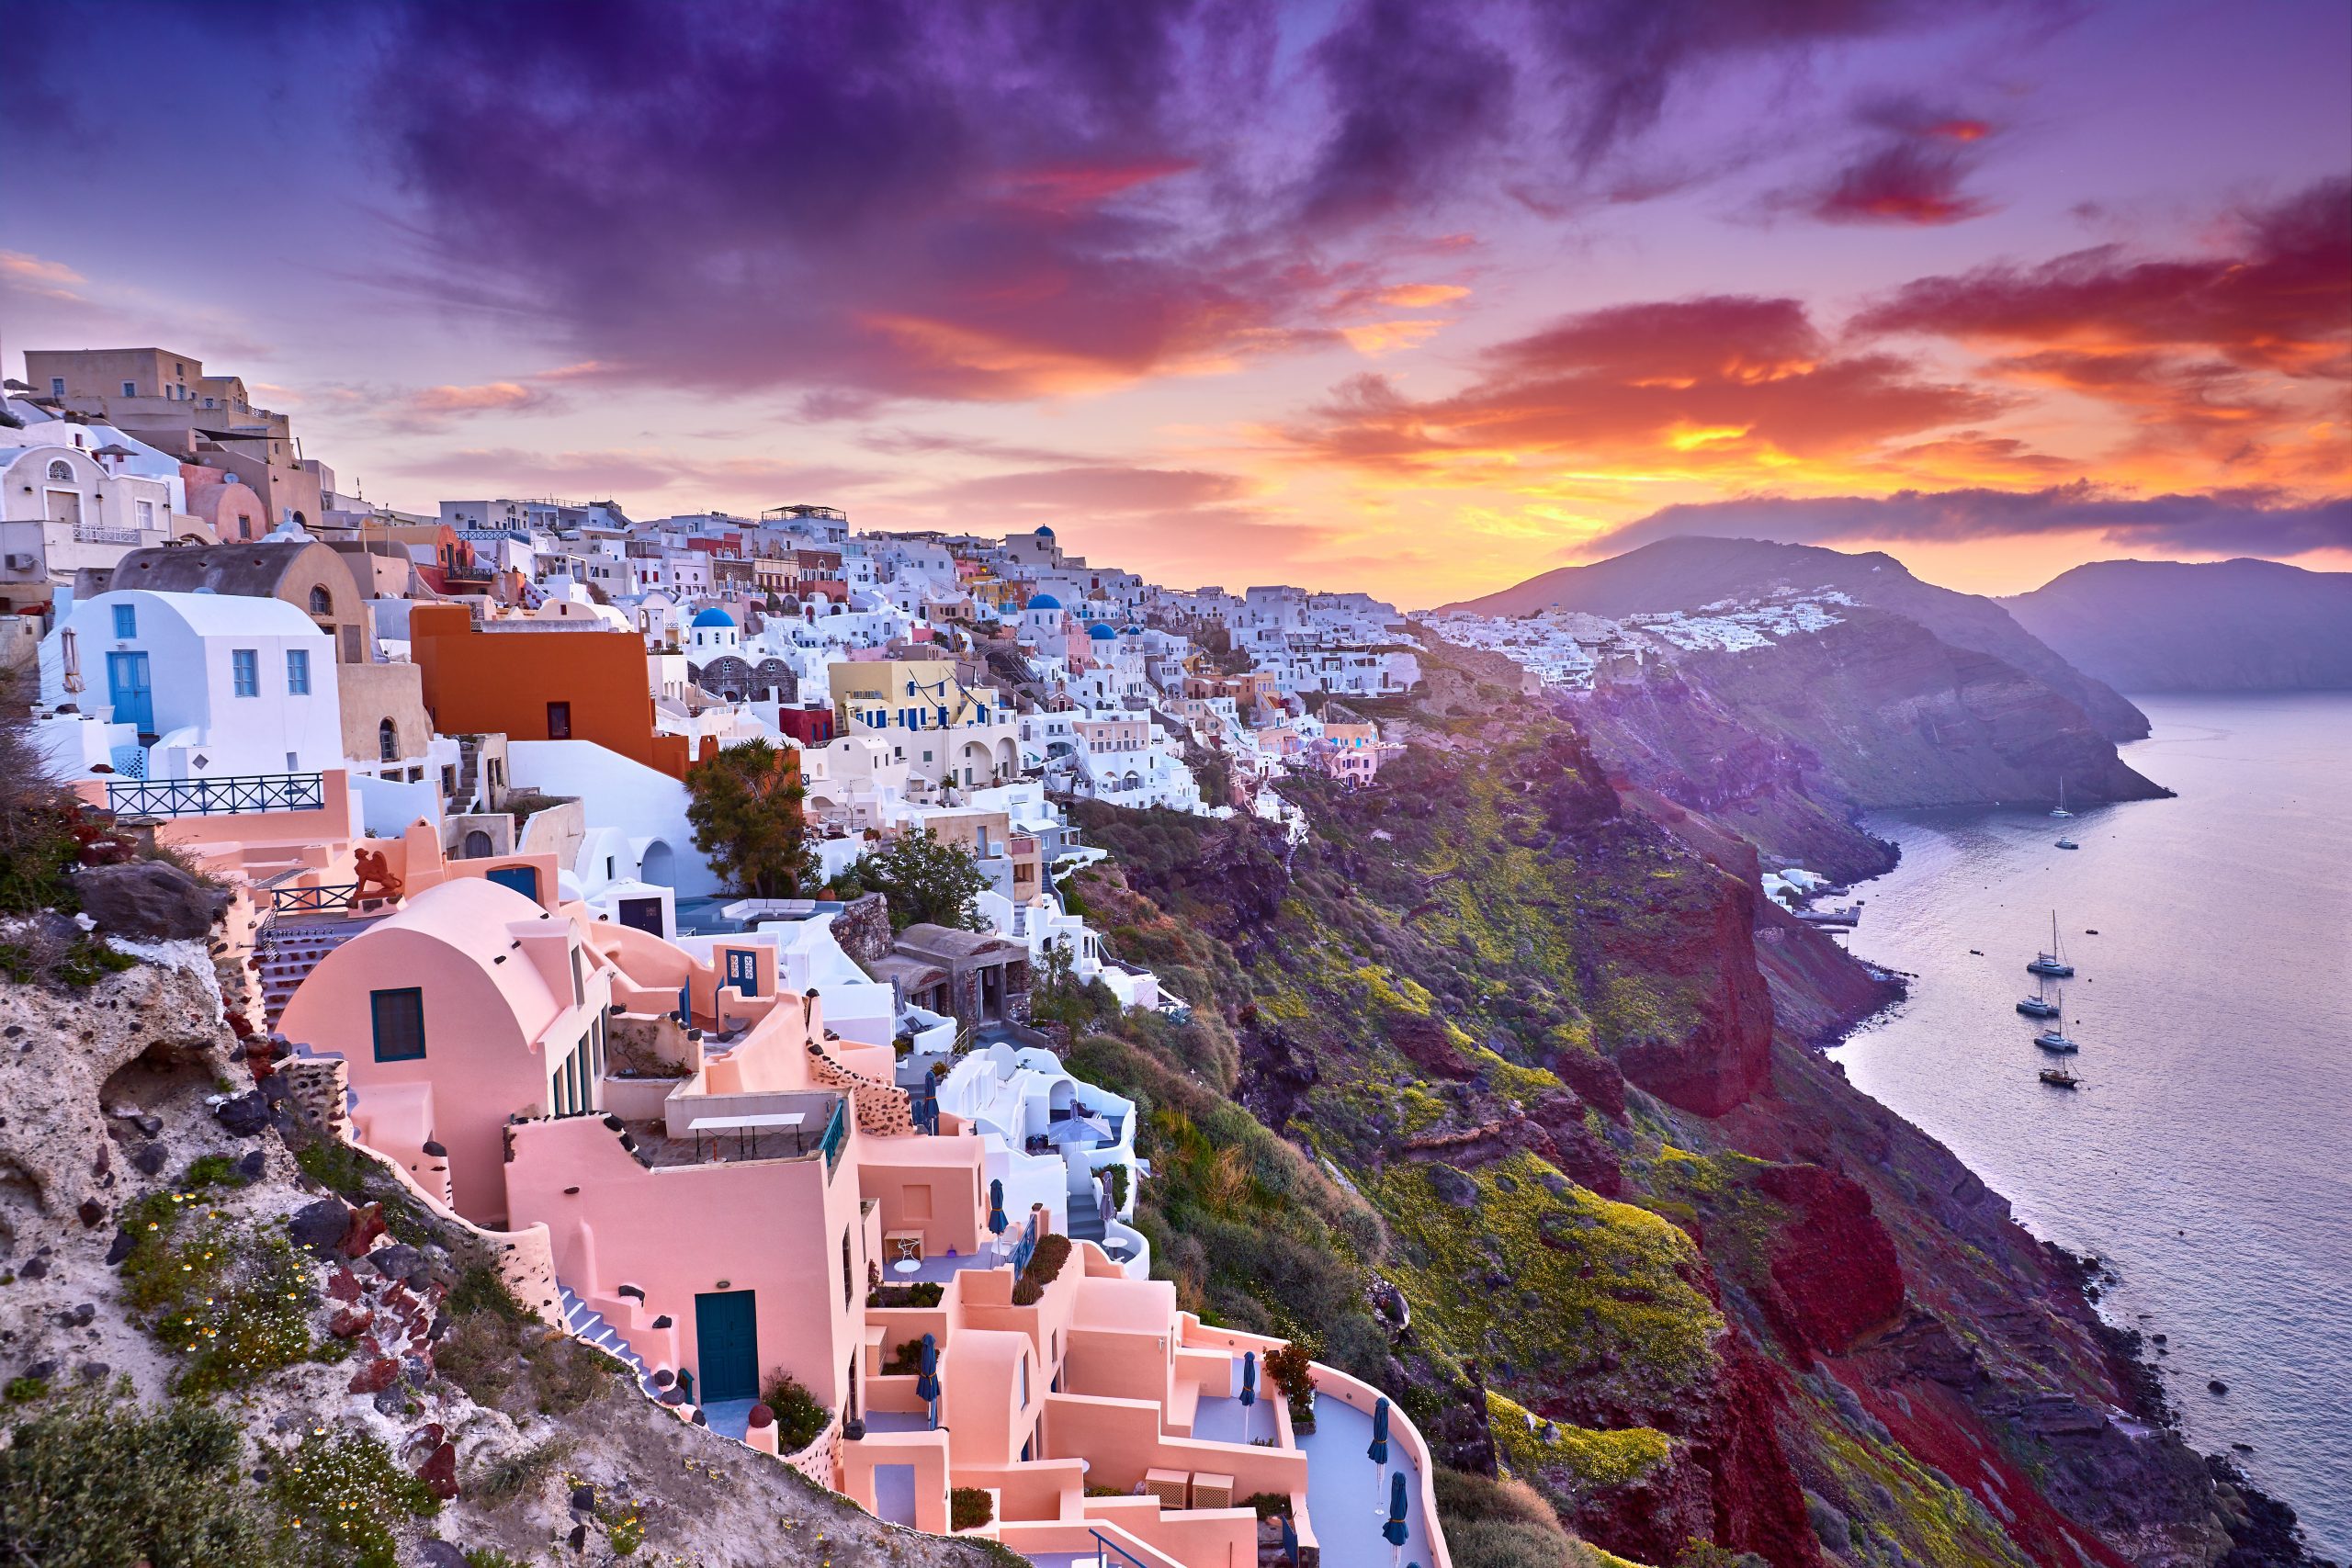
<point x="399" y="1020"/>
<point x="125" y="621"/>
<point x="245" y="671"/>
<point x="298" y="671"/>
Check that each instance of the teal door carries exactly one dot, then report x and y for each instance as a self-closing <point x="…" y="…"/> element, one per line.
<point x="128" y="691"/>
<point x="523" y="879"/>
<point x="727" y="1345"/>
<point x="743" y="971"/>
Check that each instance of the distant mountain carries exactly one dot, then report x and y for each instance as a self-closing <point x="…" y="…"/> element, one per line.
<point x="1686" y="573"/>
<point x="2148" y="625"/>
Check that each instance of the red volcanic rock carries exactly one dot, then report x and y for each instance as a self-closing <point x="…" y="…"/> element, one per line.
<point x="366" y="1225"/>
<point x="351" y="1322"/>
<point x="376" y="1376"/>
<point x="1726" y="1057"/>
<point x="1834" y="1265"/>
<point x="1596" y="1080"/>
<point x="1426" y="1044"/>
<point x="1760" y="1506"/>
<point x="439" y="1471"/>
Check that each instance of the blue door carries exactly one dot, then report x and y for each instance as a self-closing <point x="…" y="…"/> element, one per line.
<point x="523" y="879"/>
<point x="743" y="970"/>
<point x="128" y="691"/>
<point x="727" y="1345"/>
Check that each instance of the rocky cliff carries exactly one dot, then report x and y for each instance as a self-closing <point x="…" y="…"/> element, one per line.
<point x="1687" y="573"/>
<point x="226" y="1344"/>
<point x="1500" y="1089"/>
<point x="2230" y="626"/>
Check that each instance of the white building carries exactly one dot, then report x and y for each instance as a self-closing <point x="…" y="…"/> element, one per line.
<point x="199" y="685"/>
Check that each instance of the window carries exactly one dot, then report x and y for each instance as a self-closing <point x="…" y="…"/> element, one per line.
<point x="1024" y="1386"/>
<point x="146" y="516"/>
<point x="388" y="741"/>
<point x="57" y="385"/>
<point x="322" y="602"/>
<point x="130" y="389"/>
<point x="849" y="1272"/>
<point x="298" y="671"/>
<point x="399" y="1020"/>
<point x="244" y="672"/>
<point x="559" y="721"/>
<point x="60" y="472"/>
<point x="125" y="621"/>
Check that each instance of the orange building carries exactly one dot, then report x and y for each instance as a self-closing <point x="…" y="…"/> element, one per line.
<point x="533" y="680"/>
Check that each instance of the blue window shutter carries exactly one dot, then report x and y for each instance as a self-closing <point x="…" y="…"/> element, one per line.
<point x="298" y="671"/>
<point x="125" y="621"/>
<point x="244" y="665"/>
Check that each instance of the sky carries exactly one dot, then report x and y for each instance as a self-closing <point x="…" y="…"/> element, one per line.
<point x="1421" y="296"/>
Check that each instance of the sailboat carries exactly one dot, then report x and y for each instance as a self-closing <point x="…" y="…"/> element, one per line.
<point x="2059" y="809"/>
<point x="2052" y="963"/>
<point x="2059" y="1077"/>
<point x="2039" y="1005"/>
<point x="2053" y="1040"/>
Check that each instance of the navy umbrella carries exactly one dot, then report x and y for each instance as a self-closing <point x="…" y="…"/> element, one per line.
<point x="1378" y="1452"/>
<point x="927" y="1380"/>
<point x="998" y="1224"/>
<point x="1248" y="1389"/>
<point x="1394" y="1531"/>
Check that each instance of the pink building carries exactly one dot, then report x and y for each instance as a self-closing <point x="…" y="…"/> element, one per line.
<point x="724" y="1193"/>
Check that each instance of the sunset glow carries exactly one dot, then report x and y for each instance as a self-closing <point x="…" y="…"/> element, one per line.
<point x="1421" y="299"/>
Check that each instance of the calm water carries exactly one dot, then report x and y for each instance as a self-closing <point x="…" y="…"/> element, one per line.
<point x="2208" y="1155"/>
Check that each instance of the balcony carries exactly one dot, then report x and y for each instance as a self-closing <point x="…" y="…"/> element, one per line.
<point x="99" y="534"/>
<point x="227" y="796"/>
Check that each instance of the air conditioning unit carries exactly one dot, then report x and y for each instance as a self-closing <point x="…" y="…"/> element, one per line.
<point x="18" y="562"/>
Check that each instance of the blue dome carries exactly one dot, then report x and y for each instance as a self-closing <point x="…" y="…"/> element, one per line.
<point x="1045" y="602"/>
<point x="1099" y="631"/>
<point x="713" y="616"/>
<point x="1045" y="533"/>
<point x="1131" y="631"/>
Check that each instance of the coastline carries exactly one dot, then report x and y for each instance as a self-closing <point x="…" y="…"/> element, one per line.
<point x="2264" y="1527"/>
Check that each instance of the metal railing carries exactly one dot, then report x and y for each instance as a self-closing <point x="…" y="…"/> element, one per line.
<point x="1027" y="1246"/>
<point x="225" y="797"/>
<point x="836" y="1137"/>
<point x="331" y="897"/>
<point x="1105" y="1547"/>
<point x="103" y="534"/>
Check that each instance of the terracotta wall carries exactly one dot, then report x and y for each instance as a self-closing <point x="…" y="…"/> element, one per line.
<point x="478" y="681"/>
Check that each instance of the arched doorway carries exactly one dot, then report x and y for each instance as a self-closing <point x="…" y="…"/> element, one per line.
<point x="658" y="865"/>
<point x="388" y="741"/>
<point x="477" y="845"/>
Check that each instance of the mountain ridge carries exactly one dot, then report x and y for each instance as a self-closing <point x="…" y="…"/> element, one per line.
<point x="2240" y="625"/>
<point x="1693" y="570"/>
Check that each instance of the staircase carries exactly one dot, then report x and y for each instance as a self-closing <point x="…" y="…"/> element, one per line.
<point x="589" y="1327"/>
<point x="288" y="951"/>
<point x="469" y="773"/>
<point x="1086" y="1216"/>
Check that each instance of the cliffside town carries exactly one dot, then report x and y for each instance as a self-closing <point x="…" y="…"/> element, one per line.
<point x="1223" y="1078"/>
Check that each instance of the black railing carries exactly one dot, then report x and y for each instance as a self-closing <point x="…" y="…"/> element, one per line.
<point x="330" y="898"/>
<point x="217" y="797"/>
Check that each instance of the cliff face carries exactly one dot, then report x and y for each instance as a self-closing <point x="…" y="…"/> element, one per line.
<point x="2205" y="626"/>
<point x="1499" y="1090"/>
<point x="1688" y="573"/>
<point x="1782" y="746"/>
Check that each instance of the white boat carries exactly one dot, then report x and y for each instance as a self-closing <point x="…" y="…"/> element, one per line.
<point x="2052" y="961"/>
<point x="2053" y="1039"/>
<point x="2068" y="844"/>
<point x="2038" y="1006"/>
<point x="2059" y="809"/>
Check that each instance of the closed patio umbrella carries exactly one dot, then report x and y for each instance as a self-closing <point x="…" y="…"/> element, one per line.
<point x="927" y="1379"/>
<point x="1394" y="1531"/>
<point x="1378" y="1452"/>
<point x="998" y="1224"/>
<point x="1248" y="1389"/>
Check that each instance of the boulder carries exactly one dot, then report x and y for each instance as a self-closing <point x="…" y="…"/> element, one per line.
<point x="149" y="899"/>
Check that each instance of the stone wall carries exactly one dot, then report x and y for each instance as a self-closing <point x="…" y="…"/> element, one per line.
<point x="864" y="928"/>
<point x="884" y="1109"/>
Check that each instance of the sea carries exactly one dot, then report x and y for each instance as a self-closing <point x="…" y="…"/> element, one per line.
<point x="2206" y="1158"/>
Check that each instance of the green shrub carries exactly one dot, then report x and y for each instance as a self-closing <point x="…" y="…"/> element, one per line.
<point x="343" y="1493"/>
<point x="1045" y="1267"/>
<point x="26" y="1391"/>
<point x="212" y="1170"/>
<point x="906" y="1361"/>
<point x="968" y="1507"/>
<point x="86" y="1482"/>
<point x="1270" y="1504"/>
<point x="799" y="1415"/>
<point x="234" y="1300"/>
<point x="503" y="1480"/>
